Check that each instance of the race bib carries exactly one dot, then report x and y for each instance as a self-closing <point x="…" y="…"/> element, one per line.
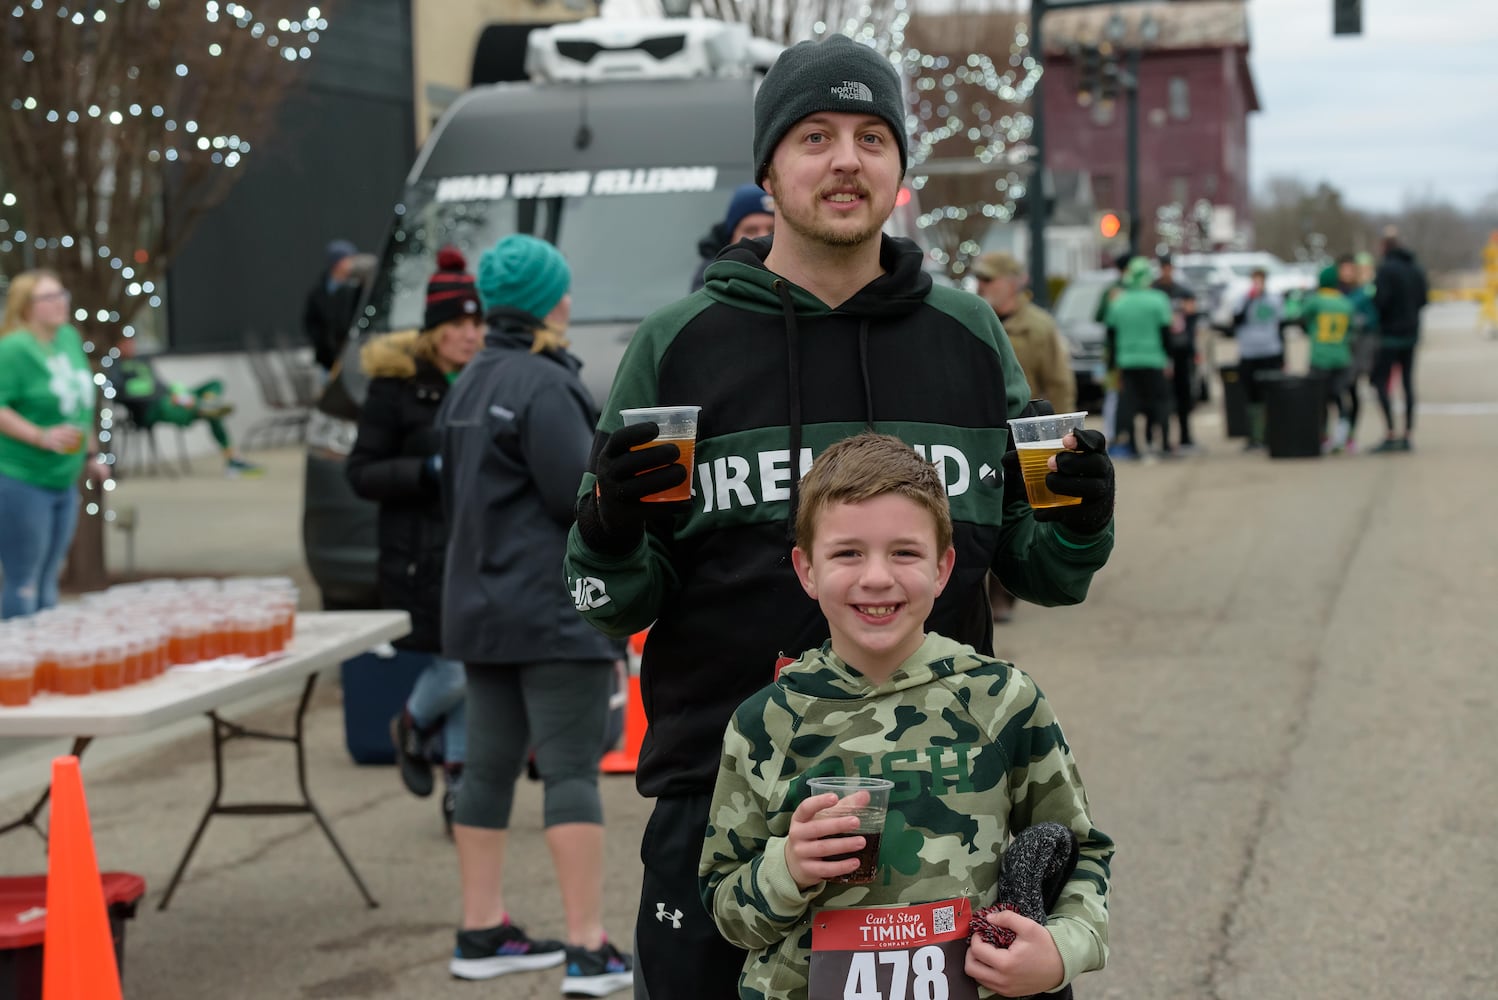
<point x="913" y="952"/>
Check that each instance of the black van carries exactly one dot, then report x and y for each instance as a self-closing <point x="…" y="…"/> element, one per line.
<point x="622" y="175"/>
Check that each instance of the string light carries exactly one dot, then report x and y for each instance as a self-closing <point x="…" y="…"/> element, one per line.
<point x="158" y="111"/>
<point x="960" y="107"/>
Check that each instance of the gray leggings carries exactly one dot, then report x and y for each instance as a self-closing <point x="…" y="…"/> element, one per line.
<point x="559" y="710"/>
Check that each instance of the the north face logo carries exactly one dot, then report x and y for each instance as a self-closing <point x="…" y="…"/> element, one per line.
<point x="851" y="90"/>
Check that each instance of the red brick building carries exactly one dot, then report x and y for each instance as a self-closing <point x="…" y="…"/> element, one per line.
<point x="1195" y="94"/>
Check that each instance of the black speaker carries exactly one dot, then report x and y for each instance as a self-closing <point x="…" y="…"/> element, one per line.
<point x="499" y="56"/>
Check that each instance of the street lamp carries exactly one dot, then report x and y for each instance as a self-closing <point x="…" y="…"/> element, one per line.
<point x="1115" y="32"/>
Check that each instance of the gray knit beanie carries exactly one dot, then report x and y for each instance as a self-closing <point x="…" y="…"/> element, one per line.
<point x="836" y="74"/>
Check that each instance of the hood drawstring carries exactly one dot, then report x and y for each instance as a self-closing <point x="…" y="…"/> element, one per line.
<point x="863" y="368"/>
<point x="793" y="367"/>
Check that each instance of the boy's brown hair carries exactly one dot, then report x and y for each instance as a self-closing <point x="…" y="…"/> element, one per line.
<point x="866" y="466"/>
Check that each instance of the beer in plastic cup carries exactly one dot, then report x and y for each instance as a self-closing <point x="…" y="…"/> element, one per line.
<point x="1037" y="439"/>
<point x="17" y="678"/>
<point x="870" y="821"/>
<point x="678" y="425"/>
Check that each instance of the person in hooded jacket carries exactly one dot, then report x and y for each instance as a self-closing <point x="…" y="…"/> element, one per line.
<point x="395" y="463"/>
<point x="515" y="435"/>
<point x="830" y="329"/>
<point x="331" y="303"/>
<point x="750" y="216"/>
<point x="1400" y="292"/>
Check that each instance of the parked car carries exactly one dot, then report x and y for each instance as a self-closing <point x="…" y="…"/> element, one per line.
<point x="1223" y="279"/>
<point x="1076" y="317"/>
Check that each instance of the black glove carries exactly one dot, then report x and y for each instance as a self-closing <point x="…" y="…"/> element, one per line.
<point x="1086" y="473"/>
<point x="611" y="519"/>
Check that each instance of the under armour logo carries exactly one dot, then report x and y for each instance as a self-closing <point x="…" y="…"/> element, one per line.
<point x="588" y="594"/>
<point x="661" y="916"/>
<point x="852" y="90"/>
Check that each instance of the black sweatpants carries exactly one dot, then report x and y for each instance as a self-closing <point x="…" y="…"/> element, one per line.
<point x="679" y="954"/>
<point x="1142" y="390"/>
<point x="1183" y="364"/>
<point x="1383" y="369"/>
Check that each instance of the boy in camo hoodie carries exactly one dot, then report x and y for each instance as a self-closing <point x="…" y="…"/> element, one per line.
<point x="970" y="743"/>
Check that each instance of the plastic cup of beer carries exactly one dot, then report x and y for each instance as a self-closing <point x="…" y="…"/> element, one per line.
<point x="678" y="426"/>
<point x="870" y="820"/>
<point x="17" y="678"/>
<point x="1037" y="439"/>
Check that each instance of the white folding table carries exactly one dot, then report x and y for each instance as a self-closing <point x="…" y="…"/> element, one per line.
<point x="322" y="639"/>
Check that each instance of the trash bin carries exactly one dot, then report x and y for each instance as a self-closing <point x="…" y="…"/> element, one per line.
<point x="23" y="927"/>
<point x="1234" y="401"/>
<point x="375" y="688"/>
<point x="1294" y="414"/>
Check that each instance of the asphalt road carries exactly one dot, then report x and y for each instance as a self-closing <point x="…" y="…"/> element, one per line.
<point x="1281" y="693"/>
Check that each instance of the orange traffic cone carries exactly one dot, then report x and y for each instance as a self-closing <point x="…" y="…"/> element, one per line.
<point x="627" y="758"/>
<point x="78" y="961"/>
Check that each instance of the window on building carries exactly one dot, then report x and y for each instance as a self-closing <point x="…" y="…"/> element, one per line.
<point x="1180" y="189"/>
<point x="1180" y="98"/>
<point x="1102" y="191"/>
<point x="1209" y="185"/>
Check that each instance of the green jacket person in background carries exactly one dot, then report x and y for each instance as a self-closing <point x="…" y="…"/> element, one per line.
<point x="827" y="330"/>
<point x="46" y="436"/>
<point x="1328" y="317"/>
<point x="152" y="400"/>
<point x="1138" y="321"/>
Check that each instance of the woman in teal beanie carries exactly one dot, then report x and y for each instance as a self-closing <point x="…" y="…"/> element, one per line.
<point x="516" y="431"/>
<point x="525" y="278"/>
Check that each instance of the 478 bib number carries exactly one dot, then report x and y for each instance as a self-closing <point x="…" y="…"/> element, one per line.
<point x="913" y="952"/>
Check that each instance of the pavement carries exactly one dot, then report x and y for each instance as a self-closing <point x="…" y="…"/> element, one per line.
<point x="1280" y="693"/>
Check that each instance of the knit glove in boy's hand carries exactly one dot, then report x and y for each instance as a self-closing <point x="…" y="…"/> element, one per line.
<point x="611" y="519"/>
<point x="1086" y="472"/>
<point x="1034" y="870"/>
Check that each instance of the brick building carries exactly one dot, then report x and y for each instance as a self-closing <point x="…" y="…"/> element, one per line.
<point x="1196" y="92"/>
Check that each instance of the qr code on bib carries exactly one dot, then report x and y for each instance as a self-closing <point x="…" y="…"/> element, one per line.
<point x="942" y="921"/>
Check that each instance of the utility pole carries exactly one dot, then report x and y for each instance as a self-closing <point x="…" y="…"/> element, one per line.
<point x="1131" y="144"/>
<point x="1035" y="189"/>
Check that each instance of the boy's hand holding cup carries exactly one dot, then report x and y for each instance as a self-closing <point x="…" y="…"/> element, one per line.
<point x="836" y="830"/>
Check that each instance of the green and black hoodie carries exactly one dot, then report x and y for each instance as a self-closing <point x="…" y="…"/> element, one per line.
<point x="778" y="374"/>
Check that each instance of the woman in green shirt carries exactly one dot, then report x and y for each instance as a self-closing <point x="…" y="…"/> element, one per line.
<point x="46" y="435"/>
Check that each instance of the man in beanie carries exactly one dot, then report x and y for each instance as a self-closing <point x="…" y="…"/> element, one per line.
<point x="329" y="310"/>
<point x="516" y="428"/>
<point x="830" y="329"/>
<point x="751" y="215"/>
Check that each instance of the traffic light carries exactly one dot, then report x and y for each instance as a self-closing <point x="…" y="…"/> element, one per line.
<point x="1347" y="17"/>
<point x="1109" y="225"/>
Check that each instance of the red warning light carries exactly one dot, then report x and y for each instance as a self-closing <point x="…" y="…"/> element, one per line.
<point x="903" y="198"/>
<point x="1109" y="225"/>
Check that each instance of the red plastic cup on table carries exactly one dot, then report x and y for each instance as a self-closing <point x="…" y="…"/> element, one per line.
<point x="75" y="668"/>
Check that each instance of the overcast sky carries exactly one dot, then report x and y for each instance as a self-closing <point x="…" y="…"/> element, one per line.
<point x="1408" y="107"/>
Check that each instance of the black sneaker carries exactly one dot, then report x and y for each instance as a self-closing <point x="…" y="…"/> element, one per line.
<point x="410" y="756"/>
<point x="597" y="973"/>
<point x="497" y="951"/>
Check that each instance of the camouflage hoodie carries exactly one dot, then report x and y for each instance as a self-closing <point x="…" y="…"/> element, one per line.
<point x="975" y="755"/>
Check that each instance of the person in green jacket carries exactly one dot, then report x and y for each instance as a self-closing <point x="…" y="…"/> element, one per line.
<point x="152" y="400"/>
<point x="972" y="746"/>
<point x="1138" y="321"/>
<point x="46" y="438"/>
<point x="1328" y="317"/>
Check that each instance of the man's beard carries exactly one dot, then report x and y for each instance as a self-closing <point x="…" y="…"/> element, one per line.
<point x="808" y="227"/>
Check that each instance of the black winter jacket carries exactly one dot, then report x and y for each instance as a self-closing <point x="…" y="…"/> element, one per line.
<point x="516" y="429"/>
<point x="389" y="466"/>
<point x="1399" y="294"/>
